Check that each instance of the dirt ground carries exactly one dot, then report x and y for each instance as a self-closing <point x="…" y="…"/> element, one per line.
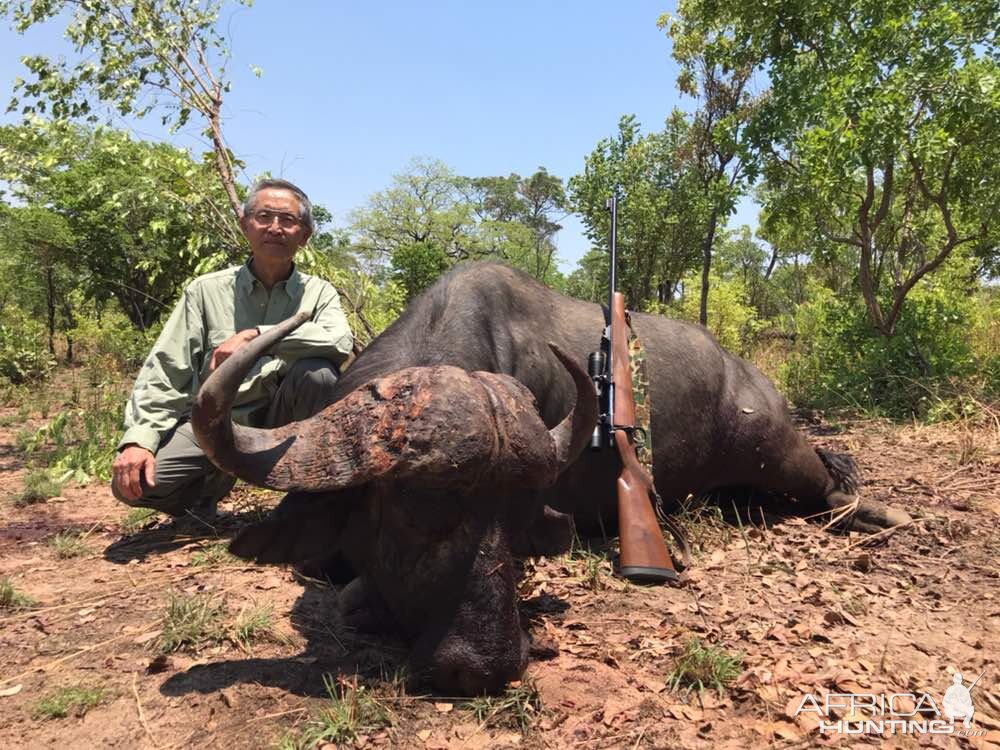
<point x="805" y="611"/>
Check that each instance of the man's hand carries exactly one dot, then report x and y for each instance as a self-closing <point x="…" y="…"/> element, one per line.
<point x="133" y="462"/>
<point x="228" y="347"/>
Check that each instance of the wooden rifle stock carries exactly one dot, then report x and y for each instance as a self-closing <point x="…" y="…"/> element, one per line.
<point x="644" y="554"/>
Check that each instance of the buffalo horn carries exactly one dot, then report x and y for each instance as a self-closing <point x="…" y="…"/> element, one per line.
<point x="572" y="434"/>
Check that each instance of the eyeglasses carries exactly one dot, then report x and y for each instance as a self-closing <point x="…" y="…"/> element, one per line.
<point x="265" y="218"/>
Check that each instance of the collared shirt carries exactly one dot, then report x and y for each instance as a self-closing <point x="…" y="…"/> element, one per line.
<point x="213" y="308"/>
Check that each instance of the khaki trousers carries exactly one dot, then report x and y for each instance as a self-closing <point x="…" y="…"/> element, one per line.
<point x="186" y="481"/>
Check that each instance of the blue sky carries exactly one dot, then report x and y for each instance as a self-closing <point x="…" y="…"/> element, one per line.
<point x="351" y="92"/>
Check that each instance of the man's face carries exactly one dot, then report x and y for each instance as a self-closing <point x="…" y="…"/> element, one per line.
<point x="272" y="226"/>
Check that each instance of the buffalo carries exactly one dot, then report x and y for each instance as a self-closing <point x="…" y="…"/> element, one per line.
<point x="456" y="445"/>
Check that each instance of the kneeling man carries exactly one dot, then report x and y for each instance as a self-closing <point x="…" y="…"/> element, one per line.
<point x="159" y="464"/>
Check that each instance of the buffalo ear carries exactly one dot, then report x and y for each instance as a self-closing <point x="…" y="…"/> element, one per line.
<point x="549" y="533"/>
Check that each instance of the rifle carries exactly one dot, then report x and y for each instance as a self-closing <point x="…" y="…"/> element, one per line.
<point x="644" y="556"/>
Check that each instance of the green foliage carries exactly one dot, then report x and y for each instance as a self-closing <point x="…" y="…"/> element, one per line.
<point x="350" y="711"/>
<point x="190" y="622"/>
<point x="431" y="218"/>
<point x="730" y="318"/>
<point x="370" y="307"/>
<point x="838" y="360"/>
<point x="880" y="132"/>
<point x="80" y="442"/>
<point x="659" y="212"/>
<point x="700" y="667"/>
<point x="74" y="700"/>
<point x="143" y="216"/>
<point x="39" y="486"/>
<point x="417" y="265"/>
<point x="24" y="355"/>
<point x="11" y="598"/>
<point x="518" y="708"/>
<point x="112" y="344"/>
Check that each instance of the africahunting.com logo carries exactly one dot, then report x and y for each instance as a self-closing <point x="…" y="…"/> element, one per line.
<point x="896" y="713"/>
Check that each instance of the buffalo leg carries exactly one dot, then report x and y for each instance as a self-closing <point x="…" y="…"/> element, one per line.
<point x="827" y="482"/>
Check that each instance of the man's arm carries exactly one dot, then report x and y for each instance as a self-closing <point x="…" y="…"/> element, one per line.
<point x="327" y="335"/>
<point x="161" y="394"/>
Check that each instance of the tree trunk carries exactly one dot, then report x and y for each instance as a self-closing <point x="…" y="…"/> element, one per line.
<point x="706" y="264"/>
<point x="50" y="301"/>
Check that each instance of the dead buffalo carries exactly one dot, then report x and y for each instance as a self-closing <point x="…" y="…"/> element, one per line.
<point x="429" y="474"/>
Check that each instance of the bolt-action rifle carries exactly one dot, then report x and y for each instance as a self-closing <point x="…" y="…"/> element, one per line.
<point x="644" y="555"/>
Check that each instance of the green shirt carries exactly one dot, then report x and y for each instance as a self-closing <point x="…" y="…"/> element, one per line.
<point x="213" y="308"/>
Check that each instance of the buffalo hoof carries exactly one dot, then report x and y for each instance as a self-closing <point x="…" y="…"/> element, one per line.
<point x="869" y="517"/>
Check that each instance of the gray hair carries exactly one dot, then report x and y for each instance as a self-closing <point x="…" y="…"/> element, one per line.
<point x="305" y="205"/>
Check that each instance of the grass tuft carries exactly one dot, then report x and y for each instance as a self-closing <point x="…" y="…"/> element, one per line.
<point x="74" y="700"/>
<point x="253" y="624"/>
<point x="11" y="598"/>
<point x="67" y="544"/>
<point x="38" y="487"/>
<point x="136" y="519"/>
<point x="352" y="710"/>
<point x="595" y="566"/>
<point x="700" y="667"/>
<point x="215" y="553"/>
<point x="190" y="622"/>
<point x="517" y="708"/>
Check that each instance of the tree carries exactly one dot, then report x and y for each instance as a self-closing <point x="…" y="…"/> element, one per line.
<point x="881" y="128"/>
<point x="37" y="248"/>
<point x="659" y="209"/>
<point x="136" y="210"/>
<point x="136" y="56"/>
<point x="431" y="218"/>
<point x="722" y="164"/>
<point x="537" y="204"/>
<point x="589" y="281"/>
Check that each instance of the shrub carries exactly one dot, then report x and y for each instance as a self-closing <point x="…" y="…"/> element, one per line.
<point x="840" y="360"/>
<point x="731" y="319"/>
<point x="24" y="353"/>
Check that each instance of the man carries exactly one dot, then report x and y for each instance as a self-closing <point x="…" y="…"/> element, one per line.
<point x="159" y="464"/>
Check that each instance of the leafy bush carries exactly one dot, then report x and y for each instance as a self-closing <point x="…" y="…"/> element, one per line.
<point x="80" y="442"/>
<point x="731" y="319"/>
<point x="24" y="353"/>
<point x="839" y="360"/>
<point x="111" y="341"/>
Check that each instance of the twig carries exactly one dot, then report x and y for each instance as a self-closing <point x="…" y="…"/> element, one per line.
<point x="639" y="738"/>
<point x="142" y="715"/>
<point x="279" y="713"/>
<point x="883" y="533"/>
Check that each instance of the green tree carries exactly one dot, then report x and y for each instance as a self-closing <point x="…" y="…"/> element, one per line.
<point x="135" y="56"/>
<point x="659" y="206"/>
<point x="522" y="214"/>
<point x="136" y="211"/>
<point x="37" y="254"/>
<point x="722" y="165"/>
<point x="880" y="130"/>
<point x="431" y="218"/>
<point x="589" y="280"/>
